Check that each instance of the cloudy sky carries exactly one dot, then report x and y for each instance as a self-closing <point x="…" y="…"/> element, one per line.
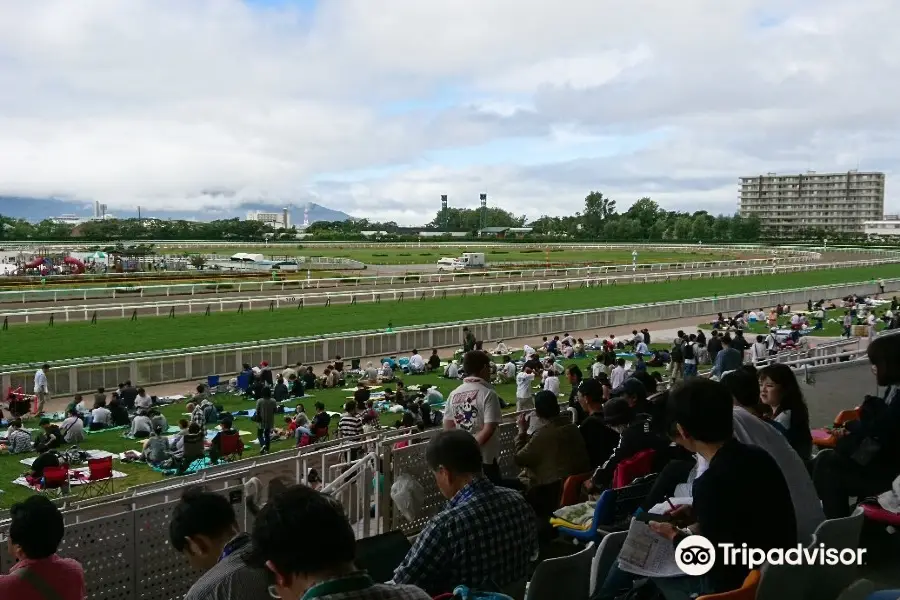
<point x="376" y="107"/>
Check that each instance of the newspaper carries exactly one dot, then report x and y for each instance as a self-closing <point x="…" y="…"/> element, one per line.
<point x="647" y="554"/>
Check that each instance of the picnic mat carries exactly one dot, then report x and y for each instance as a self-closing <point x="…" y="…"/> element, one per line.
<point x="371" y="387"/>
<point x="109" y="429"/>
<point x="197" y="465"/>
<point x="77" y="477"/>
<point x="92" y="454"/>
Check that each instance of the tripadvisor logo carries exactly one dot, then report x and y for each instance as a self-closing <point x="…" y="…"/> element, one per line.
<point x="695" y="555"/>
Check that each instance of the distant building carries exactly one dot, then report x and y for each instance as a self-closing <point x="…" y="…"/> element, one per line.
<point x="504" y="232"/>
<point x="889" y="226"/>
<point x="452" y="234"/>
<point x="276" y="220"/>
<point x="838" y="202"/>
<point x="72" y="220"/>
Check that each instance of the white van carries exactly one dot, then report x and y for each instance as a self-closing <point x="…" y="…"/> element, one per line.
<point x="449" y="264"/>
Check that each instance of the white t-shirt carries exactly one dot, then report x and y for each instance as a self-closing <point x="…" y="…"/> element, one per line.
<point x="551" y="384"/>
<point x="72" y="428"/>
<point x="523" y="384"/>
<point x="470" y="407"/>
<point x="758" y="351"/>
<point x="596" y="369"/>
<point x="452" y="371"/>
<point x="416" y="362"/>
<point x="795" y="319"/>
<point x="617" y="377"/>
<point x="101" y="415"/>
<point x="143" y="402"/>
<point x="510" y="369"/>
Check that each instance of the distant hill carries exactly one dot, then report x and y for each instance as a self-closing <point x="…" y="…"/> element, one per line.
<point x="37" y="209"/>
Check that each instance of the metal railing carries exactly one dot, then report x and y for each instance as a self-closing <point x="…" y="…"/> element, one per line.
<point x="153" y="368"/>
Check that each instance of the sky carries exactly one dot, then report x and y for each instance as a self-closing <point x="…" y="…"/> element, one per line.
<point x="377" y="107"/>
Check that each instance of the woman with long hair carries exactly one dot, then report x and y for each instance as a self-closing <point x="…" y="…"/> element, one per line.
<point x="779" y="389"/>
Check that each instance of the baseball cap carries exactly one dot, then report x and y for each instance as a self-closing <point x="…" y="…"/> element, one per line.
<point x="617" y="412"/>
<point x="630" y="387"/>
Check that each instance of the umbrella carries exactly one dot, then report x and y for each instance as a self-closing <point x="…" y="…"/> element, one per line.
<point x="97" y="256"/>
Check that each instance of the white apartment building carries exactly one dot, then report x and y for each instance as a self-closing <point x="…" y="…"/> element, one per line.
<point x="837" y="202"/>
<point x="275" y="220"/>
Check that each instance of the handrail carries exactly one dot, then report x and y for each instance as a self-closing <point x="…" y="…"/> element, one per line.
<point x="259" y="344"/>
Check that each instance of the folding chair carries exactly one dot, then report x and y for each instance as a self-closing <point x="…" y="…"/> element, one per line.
<point x="99" y="477"/>
<point x="822" y="438"/>
<point x="232" y="447"/>
<point x="55" y="480"/>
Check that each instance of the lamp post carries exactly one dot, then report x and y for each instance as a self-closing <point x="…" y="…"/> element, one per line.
<point x="824" y="244"/>
<point x="634" y="256"/>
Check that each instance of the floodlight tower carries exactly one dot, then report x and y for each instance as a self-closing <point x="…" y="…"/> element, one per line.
<point x="483" y="198"/>
<point x="444" y="214"/>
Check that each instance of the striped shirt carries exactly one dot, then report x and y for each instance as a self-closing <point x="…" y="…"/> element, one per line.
<point x="350" y="425"/>
<point x="232" y="578"/>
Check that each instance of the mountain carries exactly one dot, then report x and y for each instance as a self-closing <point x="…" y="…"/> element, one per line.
<point x="37" y="209"/>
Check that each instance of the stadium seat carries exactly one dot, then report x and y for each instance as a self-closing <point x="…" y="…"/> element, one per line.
<point x="606" y="556"/>
<point x="639" y="465"/>
<point x="572" y="489"/>
<point x="603" y="512"/>
<point x="876" y="514"/>
<point x="822" y="438"/>
<point x="827" y="581"/>
<point x="745" y="592"/>
<point x="565" y="577"/>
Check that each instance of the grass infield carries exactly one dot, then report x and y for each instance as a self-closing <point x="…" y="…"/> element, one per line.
<point x="37" y="342"/>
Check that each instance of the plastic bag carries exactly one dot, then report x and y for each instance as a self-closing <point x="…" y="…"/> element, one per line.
<point x="409" y="497"/>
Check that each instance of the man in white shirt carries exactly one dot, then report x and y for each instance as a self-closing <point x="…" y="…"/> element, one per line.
<point x="143" y="402"/>
<point x="509" y="371"/>
<point x="452" y="370"/>
<point x="475" y="407"/>
<point x="524" y="398"/>
<point x="617" y="377"/>
<point x="758" y="351"/>
<point x="597" y="367"/>
<point x="41" y="387"/>
<point x="596" y="343"/>
<point x="416" y="363"/>
<point x="100" y="418"/>
<point x="641" y="348"/>
<point x="501" y="349"/>
<point x="72" y="428"/>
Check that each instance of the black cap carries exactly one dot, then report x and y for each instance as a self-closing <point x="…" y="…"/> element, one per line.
<point x="617" y="412"/>
<point x="631" y="387"/>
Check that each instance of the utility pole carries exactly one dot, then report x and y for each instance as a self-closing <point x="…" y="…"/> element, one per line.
<point x="444" y="215"/>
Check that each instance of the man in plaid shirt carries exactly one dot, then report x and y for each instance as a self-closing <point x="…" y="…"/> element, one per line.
<point x="17" y="439"/>
<point x="485" y="538"/>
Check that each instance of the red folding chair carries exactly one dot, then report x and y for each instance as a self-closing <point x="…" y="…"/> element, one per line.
<point x="231" y="447"/>
<point x="55" y="480"/>
<point x="99" y="477"/>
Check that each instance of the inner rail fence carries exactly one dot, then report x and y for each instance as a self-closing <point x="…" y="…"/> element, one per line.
<point x="122" y="539"/>
<point x="154" y="368"/>
<point x="212" y="288"/>
<point x="91" y="312"/>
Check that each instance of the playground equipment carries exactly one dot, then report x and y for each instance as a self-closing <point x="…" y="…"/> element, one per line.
<point x="45" y="265"/>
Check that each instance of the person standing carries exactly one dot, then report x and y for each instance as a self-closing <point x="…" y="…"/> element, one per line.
<point x="468" y="340"/>
<point x="524" y="396"/>
<point x="265" y="419"/>
<point x="41" y="387"/>
<point x="475" y="407"/>
<point x="35" y="532"/>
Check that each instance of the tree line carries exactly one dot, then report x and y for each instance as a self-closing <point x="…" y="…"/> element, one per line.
<point x="599" y="220"/>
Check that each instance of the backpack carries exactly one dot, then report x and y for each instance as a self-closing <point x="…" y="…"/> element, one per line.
<point x="677" y="353"/>
<point x="689" y="351"/>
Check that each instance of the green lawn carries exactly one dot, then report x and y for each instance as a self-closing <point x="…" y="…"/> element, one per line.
<point x="37" y="342"/>
<point x="426" y="254"/>
<point x="829" y="330"/>
<point x="112" y="441"/>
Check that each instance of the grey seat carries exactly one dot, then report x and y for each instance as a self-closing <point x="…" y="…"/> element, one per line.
<point x="828" y="581"/>
<point x="606" y="556"/>
<point x="566" y="577"/>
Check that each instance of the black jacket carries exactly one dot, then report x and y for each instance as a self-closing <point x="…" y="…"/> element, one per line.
<point x="638" y="436"/>
<point x="599" y="439"/>
<point x="727" y="505"/>
<point x="879" y="423"/>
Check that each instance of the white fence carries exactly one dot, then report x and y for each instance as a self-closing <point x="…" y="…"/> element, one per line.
<point x="83" y="375"/>
<point x="213" y="288"/>
<point x="172" y="308"/>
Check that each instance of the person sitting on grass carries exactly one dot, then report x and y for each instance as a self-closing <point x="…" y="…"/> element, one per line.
<point x="18" y="440"/>
<point x="118" y="414"/>
<point x="141" y="426"/>
<point x="73" y="428"/>
<point x="434" y="361"/>
<point x="50" y="438"/>
<point x="101" y="417"/>
<point x="320" y="422"/>
<point x="296" y="387"/>
<point x="156" y="448"/>
<point x="159" y="420"/>
<point x="226" y="429"/>
<point x="176" y="442"/>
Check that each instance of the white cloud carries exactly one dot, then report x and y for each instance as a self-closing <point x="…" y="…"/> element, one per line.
<point x="152" y="101"/>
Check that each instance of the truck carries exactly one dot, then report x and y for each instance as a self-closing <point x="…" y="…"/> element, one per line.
<point x="472" y="260"/>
